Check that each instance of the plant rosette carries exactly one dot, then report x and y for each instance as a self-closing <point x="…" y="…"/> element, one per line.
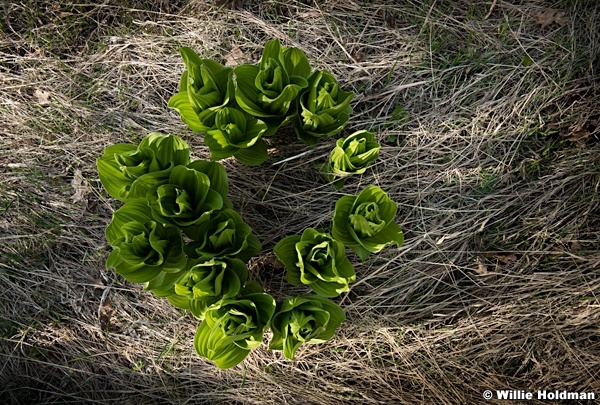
<point x="235" y="134"/>
<point x="317" y="260"/>
<point x="190" y="194"/>
<point x="365" y="223"/>
<point x="304" y="319"/>
<point x="206" y="282"/>
<point x="323" y="108"/>
<point x="143" y="249"/>
<point x="205" y="88"/>
<point x="231" y="330"/>
<point x="354" y="154"/>
<point x="270" y="89"/>
<point x="351" y="155"/>
<point x="127" y="171"/>
<point x="223" y="235"/>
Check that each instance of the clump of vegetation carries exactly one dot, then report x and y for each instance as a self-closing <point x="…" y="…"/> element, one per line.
<point x="168" y="196"/>
<point x="488" y="123"/>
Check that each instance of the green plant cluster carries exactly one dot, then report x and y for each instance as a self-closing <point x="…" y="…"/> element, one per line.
<point x="177" y="231"/>
<point x="317" y="259"/>
<point x="236" y="108"/>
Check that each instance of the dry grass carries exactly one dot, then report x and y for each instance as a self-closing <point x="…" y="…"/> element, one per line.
<point x="497" y="285"/>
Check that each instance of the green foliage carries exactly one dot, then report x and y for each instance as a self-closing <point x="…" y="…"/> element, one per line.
<point x="269" y="90"/>
<point x="205" y="88"/>
<point x="126" y="171"/>
<point x="233" y="328"/>
<point x="324" y="109"/>
<point x="143" y="247"/>
<point x="178" y="234"/>
<point x="365" y="223"/>
<point x="305" y="319"/>
<point x="354" y="154"/>
<point x="317" y="260"/>
<point x="235" y="108"/>
<point x="206" y="282"/>
<point x="238" y="136"/>
<point x="223" y="235"/>
<point x="185" y="199"/>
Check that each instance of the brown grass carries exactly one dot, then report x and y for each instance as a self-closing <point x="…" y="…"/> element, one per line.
<point x="494" y="163"/>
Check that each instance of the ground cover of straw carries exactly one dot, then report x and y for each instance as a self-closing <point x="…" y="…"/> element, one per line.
<point x="489" y="126"/>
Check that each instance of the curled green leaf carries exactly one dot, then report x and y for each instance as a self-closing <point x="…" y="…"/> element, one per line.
<point x="317" y="260"/>
<point x="354" y="154"/>
<point x="143" y="249"/>
<point x="239" y="136"/>
<point x="185" y="199"/>
<point x="269" y="90"/>
<point x="304" y="319"/>
<point x="365" y="223"/>
<point x="205" y="87"/>
<point x="223" y="235"/>
<point x="229" y="331"/>
<point x="324" y="109"/>
<point x="206" y="282"/>
<point x="127" y="171"/>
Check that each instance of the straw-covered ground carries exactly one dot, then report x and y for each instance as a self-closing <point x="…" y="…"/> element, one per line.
<point x="488" y="117"/>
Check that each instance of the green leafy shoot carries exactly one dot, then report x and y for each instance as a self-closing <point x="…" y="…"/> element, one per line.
<point x="351" y="155"/>
<point x="365" y="223"/>
<point x="229" y="331"/>
<point x="185" y="199"/>
<point x="317" y="260"/>
<point x="143" y="249"/>
<point x="304" y="319"/>
<point x="205" y="87"/>
<point x="269" y="90"/>
<point x="127" y="171"/>
<point x="324" y="109"/>
<point x="237" y="135"/>
<point x="206" y="282"/>
<point x="223" y="235"/>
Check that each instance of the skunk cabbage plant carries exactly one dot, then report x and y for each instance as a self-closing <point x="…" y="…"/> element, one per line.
<point x="229" y="331"/>
<point x="269" y="90"/>
<point x="142" y="247"/>
<point x="204" y="88"/>
<point x="317" y="260"/>
<point x="237" y="135"/>
<point x="189" y="195"/>
<point x="324" y="109"/>
<point x="365" y="223"/>
<point x="304" y="319"/>
<point x="223" y="235"/>
<point x="354" y="154"/>
<point x="207" y="282"/>
<point x="127" y="171"/>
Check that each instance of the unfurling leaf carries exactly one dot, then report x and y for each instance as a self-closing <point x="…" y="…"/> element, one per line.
<point x="205" y="87"/>
<point x="223" y="235"/>
<point x="143" y="248"/>
<point x="269" y="90"/>
<point x="317" y="260"/>
<point x="186" y="198"/>
<point x="238" y="136"/>
<point x="206" y="282"/>
<point x="127" y="171"/>
<point x="323" y="108"/>
<point x="229" y="331"/>
<point x="365" y="223"/>
<point x="354" y="154"/>
<point x="305" y="319"/>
